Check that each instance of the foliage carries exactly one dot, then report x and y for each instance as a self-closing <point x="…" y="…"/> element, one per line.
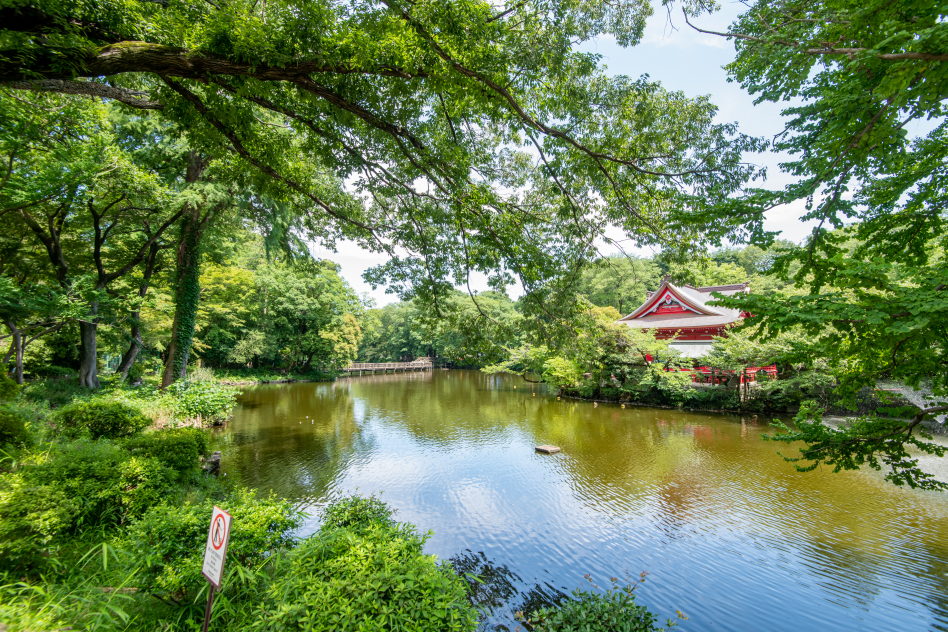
<point x="86" y="214"/>
<point x="619" y="281"/>
<point x="211" y="401"/>
<point x="13" y="426"/>
<point x="634" y="360"/>
<point x="135" y="372"/>
<point x="308" y="315"/>
<point x="356" y="513"/>
<point x="29" y="606"/>
<point x="8" y="388"/>
<point x="169" y="539"/>
<point x="526" y="360"/>
<point x="562" y="372"/>
<point x="96" y="475"/>
<point x="51" y="371"/>
<point x="396" y="333"/>
<point x="273" y="375"/>
<point x="704" y="273"/>
<point x="31" y="516"/>
<point x="429" y="125"/>
<point x="54" y="392"/>
<point x="869" y="285"/>
<point x="873" y="441"/>
<point x="364" y="571"/>
<point x="101" y="419"/>
<point x="178" y="449"/>
<point x="143" y="482"/>
<point x="591" y="610"/>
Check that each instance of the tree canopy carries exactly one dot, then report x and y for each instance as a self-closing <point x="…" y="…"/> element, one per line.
<point x="874" y="295"/>
<point x="458" y="138"/>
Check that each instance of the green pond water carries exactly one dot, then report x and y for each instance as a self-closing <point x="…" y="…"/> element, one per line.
<point x="728" y="531"/>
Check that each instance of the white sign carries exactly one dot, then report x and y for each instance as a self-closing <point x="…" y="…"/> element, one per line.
<point x="215" y="552"/>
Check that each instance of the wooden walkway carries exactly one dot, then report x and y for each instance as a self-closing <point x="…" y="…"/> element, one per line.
<point x="419" y="364"/>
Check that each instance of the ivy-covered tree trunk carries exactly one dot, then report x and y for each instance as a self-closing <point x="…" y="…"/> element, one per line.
<point x="186" y="296"/>
<point x="88" y="369"/>
<point x="187" y="288"/>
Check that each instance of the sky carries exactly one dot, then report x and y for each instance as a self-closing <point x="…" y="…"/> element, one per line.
<point x="681" y="59"/>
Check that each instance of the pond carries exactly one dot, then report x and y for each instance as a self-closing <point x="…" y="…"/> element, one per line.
<point x="729" y="532"/>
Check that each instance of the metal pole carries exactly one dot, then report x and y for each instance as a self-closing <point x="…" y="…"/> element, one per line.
<point x="207" y="611"/>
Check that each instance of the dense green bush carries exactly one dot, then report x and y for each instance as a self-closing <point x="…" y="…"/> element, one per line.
<point x="614" y="610"/>
<point x="31" y="516"/>
<point x="143" y="483"/>
<point x="135" y="372"/>
<point x="13" y="426"/>
<point x="88" y="472"/>
<point x="211" y="401"/>
<point x="371" y="574"/>
<point x="178" y="449"/>
<point x="8" y="388"/>
<point x="106" y="484"/>
<point x="109" y="420"/>
<point x="356" y="513"/>
<point x="169" y="540"/>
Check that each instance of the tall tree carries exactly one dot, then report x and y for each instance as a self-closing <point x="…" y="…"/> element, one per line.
<point x="862" y="75"/>
<point x="472" y="137"/>
<point x="211" y="194"/>
<point x="91" y="208"/>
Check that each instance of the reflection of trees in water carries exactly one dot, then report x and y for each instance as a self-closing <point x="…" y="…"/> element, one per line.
<point x="445" y="407"/>
<point x="268" y="448"/>
<point x="935" y="597"/>
<point x="496" y="593"/>
<point x="674" y="472"/>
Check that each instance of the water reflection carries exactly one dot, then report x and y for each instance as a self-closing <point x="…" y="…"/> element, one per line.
<point x="730" y="533"/>
<point x="493" y="590"/>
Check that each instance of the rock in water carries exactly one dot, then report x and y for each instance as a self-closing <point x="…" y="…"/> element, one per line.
<point x="547" y="449"/>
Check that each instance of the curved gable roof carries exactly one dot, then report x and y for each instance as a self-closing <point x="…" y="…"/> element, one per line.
<point x="687" y="297"/>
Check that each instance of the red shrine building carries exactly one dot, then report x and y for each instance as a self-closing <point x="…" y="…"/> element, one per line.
<point x="684" y="312"/>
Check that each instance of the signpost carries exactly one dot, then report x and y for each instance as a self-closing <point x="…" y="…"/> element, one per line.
<point x="214" y="553"/>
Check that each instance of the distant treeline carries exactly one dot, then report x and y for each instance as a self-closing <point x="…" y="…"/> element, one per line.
<point x="472" y="331"/>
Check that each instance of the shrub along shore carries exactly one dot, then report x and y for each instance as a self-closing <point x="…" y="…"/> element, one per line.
<point x="104" y="509"/>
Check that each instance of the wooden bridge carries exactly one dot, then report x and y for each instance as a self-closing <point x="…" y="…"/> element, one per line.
<point x="418" y="364"/>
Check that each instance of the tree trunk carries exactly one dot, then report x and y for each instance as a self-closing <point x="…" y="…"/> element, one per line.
<point x="136" y="345"/>
<point x="133" y="350"/>
<point x="17" y="348"/>
<point x="187" y="294"/>
<point x="88" y="370"/>
<point x="187" y="291"/>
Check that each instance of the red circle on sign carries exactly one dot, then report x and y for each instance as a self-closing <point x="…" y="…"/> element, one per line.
<point x="218" y="531"/>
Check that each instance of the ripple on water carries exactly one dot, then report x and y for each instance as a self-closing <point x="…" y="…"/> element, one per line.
<point x="731" y="534"/>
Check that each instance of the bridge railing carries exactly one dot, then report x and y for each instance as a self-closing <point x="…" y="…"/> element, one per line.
<point x="375" y="366"/>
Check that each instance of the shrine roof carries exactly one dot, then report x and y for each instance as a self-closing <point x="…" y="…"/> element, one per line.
<point x="694" y="312"/>
<point x="682" y="321"/>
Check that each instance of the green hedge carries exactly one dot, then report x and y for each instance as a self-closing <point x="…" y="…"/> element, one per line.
<point x="169" y="540"/>
<point x="108" y="420"/>
<point x="8" y="388"/>
<point x="178" y="449"/>
<point x="31" y="516"/>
